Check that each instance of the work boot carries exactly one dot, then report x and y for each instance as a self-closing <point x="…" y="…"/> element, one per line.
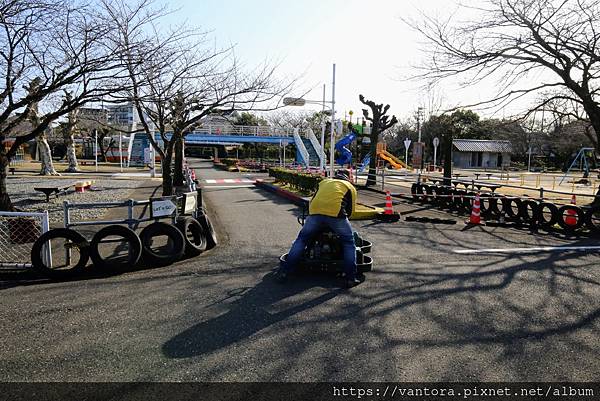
<point x="281" y="276"/>
<point x="352" y="282"/>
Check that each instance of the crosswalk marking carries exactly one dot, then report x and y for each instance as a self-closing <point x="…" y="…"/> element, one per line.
<point x="229" y="181"/>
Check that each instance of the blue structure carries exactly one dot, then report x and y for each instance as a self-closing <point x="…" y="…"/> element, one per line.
<point x="346" y="154"/>
<point x="365" y="163"/>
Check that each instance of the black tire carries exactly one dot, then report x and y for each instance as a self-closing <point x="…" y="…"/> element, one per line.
<point x="541" y="217"/>
<point x="442" y="200"/>
<point x="496" y="207"/>
<point x="484" y="204"/>
<point x="511" y="207"/>
<point x="420" y="190"/>
<point x="562" y="212"/>
<point x="193" y="234"/>
<point x="528" y="211"/>
<point x="429" y="191"/>
<point x="413" y="191"/>
<point x="176" y="239"/>
<point x="135" y="248"/>
<point x="76" y="239"/>
<point x="209" y="231"/>
<point x="468" y="201"/>
<point x="459" y="199"/>
<point x="591" y="221"/>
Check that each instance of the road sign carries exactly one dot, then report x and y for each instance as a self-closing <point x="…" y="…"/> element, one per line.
<point x="407" y="143"/>
<point x="294" y="101"/>
<point x="417" y="155"/>
<point x="436" y="142"/>
<point x="162" y="207"/>
<point x="189" y="202"/>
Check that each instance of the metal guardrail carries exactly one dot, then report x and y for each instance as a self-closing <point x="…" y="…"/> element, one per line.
<point x="418" y="177"/>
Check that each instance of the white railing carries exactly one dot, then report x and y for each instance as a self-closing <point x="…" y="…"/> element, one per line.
<point x="316" y="145"/>
<point x="243" y="130"/>
<point x="18" y="232"/>
<point x="301" y="147"/>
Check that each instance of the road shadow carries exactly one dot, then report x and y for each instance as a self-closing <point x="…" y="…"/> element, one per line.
<point x="249" y="314"/>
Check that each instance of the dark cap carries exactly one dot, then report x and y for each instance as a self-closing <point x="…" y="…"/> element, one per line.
<point x="342" y="174"/>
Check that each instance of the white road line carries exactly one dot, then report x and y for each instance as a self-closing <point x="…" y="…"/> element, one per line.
<point x="229" y="181"/>
<point x="526" y="250"/>
<point x="211" y="181"/>
<point x="230" y="186"/>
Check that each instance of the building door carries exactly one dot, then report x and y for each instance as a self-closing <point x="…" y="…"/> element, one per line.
<point x="499" y="160"/>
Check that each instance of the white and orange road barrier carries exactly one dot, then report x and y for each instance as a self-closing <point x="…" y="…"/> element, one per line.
<point x="571" y="218"/>
<point x="475" y="212"/>
<point x="389" y="209"/>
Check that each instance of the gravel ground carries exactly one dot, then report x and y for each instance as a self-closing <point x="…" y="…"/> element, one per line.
<point x="25" y="198"/>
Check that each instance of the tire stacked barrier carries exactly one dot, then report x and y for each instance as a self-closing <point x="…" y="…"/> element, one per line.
<point x="189" y="237"/>
<point x="516" y="210"/>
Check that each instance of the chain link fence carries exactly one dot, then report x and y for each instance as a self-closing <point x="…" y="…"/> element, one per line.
<point x="18" y="232"/>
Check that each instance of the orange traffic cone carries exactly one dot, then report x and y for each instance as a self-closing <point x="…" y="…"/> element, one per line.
<point x="570" y="219"/>
<point x="388" y="203"/>
<point x="475" y="212"/>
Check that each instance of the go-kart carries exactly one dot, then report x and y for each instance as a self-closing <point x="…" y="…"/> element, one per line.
<point x="324" y="252"/>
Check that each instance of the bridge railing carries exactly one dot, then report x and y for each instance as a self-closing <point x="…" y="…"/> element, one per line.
<point x="243" y="130"/>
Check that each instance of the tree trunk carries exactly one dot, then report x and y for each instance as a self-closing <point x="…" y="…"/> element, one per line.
<point x="167" y="172"/>
<point x="178" y="179"/>
<point x="5" y="203"/>
<point x="71" y="156"/>
<point x="45" y="156"/>
<point x="372" y="177"/>
<point x="447" y="144"/>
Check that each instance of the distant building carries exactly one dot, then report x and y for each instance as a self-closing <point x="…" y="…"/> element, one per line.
<point x="124" y="116"/>
<point x="476" y="153"/>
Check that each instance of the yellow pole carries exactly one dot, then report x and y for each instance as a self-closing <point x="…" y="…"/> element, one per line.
<point x="537" y="181"/>
<point x="522" y="179"/>
<point x="553" y="182"/>
<point x="573" y="186"/>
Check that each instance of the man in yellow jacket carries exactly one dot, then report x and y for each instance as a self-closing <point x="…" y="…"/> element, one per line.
<point x="330" y="207"/>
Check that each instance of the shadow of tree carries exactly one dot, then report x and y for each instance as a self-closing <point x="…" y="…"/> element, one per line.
<point x="247" y="316"/>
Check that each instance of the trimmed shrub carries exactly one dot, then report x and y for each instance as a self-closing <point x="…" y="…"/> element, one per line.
<point x="301" y="181"/>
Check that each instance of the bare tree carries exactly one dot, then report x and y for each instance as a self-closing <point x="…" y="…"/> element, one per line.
<point x="48" y="47"/>
<point x="380" y="122"/>
<point x="178" y="79"/>
<point x="530" y="47"/>
<point x="68" y="129"/>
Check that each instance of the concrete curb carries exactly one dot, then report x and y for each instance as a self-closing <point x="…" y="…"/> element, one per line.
<point x="295" y="199"/>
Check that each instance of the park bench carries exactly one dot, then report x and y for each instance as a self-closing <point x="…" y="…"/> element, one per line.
<point x="87" y="162"/>
<point x="12" y="170"/>
<point x="52" y="190"/>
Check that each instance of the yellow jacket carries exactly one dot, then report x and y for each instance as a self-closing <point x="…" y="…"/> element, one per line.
<point x="334" y="198"/>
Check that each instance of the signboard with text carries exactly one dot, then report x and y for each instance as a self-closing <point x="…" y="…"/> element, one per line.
<point x="162" y="207"/>
<point x="417" y="154"/>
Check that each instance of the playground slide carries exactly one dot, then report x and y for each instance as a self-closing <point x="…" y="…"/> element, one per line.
<point x="393" y="160"/>
<point x="365" y="163"/>
<point x="346" y="154"/>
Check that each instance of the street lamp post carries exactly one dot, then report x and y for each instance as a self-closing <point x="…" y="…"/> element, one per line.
<point x="322" y="161"/>
<point x="301" y="102"/>
<point x="332" y="139"/>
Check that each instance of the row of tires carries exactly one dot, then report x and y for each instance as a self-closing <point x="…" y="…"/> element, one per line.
<point x="519" y="210"/>
<point x="189" y="237"/>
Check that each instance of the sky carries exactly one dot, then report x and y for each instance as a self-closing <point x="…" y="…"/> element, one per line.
<point x="373" y="49"/>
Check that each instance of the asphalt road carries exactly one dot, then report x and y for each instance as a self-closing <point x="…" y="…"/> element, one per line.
<point x="425" y="313"/>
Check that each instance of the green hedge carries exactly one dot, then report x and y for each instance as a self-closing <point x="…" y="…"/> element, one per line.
<point x="301" y="181"/>
<point x="229" y="162"/>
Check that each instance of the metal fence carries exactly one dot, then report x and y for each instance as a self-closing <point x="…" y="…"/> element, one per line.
<point x="18" y="232"/>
